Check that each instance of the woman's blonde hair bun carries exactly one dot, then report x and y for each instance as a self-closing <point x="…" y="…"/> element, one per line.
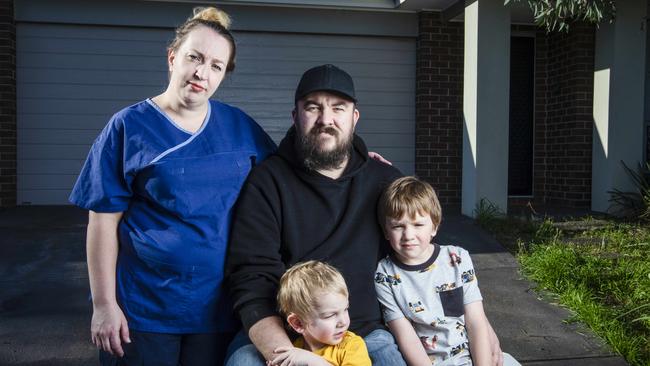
<point x="210" y="17"/>
<point x="212" y="14"/>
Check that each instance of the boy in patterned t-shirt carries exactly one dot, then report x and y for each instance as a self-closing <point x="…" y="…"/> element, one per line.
<point x="428" y="292"/>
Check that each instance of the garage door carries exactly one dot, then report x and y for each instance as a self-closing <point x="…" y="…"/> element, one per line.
<point x="72" y="78"/>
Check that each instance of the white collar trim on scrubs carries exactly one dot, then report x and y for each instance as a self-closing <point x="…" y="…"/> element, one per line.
<point x="192" y="135"/>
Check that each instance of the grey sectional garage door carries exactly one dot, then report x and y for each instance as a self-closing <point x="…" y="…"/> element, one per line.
<point x="71" y="78"/>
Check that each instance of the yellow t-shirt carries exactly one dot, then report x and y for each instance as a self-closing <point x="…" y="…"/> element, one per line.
<point x="351" y="351"/>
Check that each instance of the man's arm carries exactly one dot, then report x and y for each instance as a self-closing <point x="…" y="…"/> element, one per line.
<point x="254" y="264"/>
<point x="267" y="335"/>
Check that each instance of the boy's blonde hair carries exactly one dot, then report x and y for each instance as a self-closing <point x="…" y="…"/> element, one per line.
<point x="409" y="196"/>
<point x="302" y="285"/>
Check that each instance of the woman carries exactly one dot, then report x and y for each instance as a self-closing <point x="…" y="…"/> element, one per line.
<point x="159" y="183"/>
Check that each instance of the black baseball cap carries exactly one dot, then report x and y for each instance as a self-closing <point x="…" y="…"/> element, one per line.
<point x="326" y="78"/>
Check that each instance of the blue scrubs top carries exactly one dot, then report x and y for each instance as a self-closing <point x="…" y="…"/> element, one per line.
<point x="177" y="190"/>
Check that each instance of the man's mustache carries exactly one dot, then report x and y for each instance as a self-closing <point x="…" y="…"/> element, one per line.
<point x="328" y="130"/>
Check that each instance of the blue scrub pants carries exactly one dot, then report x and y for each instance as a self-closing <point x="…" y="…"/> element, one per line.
<point x="171" y="350"/>
<point x="380" y="343"/>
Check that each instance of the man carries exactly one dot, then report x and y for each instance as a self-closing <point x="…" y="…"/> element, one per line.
<point x="315" y="199"/>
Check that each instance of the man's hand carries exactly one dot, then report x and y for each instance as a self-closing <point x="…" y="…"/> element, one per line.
<point x="292" y="356"/>
<point x="109" y="329"/>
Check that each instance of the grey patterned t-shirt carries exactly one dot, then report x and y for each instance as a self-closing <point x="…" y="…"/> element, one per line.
<point x="432" y="296"/>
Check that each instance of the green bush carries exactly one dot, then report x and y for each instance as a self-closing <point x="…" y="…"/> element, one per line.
<point x="487" y="214"/>
<point x="633" y="204"/>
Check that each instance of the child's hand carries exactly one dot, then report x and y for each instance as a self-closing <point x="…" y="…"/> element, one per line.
<point x="292" y="356"/>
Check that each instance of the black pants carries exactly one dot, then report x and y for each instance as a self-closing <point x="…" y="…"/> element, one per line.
<point x="160" y="349"/>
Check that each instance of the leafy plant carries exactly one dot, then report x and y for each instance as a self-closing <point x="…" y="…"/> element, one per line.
<point x="487" y="213"/>
<point x="633" y="204"/>
<point x="546" y="232"/>
<point x="556" y="15"/>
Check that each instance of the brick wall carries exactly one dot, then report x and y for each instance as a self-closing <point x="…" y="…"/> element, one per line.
<point x="539" y="131"/>
<point x="439" y="108"/>
<point x="7" y="104"/>
<point x="563" y="111"/>
<point x="564" y="117"/>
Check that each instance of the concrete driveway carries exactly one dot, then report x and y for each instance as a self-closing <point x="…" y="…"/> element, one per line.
<point x="45" y="311"/>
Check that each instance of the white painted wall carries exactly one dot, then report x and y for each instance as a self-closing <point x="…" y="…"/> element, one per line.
<point x="486" y="104"/>
<point x="619" y="89"/>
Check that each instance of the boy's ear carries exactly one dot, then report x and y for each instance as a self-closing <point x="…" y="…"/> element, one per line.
<point x="296" y="323"/>
<point x="435" y="231"/>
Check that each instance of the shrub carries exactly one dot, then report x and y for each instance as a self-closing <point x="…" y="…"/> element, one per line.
<point x="633" y="204"/>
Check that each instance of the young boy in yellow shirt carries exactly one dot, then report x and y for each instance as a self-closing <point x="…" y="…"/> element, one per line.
<point x="314" y="299"/>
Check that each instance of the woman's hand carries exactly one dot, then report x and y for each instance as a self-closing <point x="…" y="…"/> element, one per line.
<point x="375" y="156"/>
<point x="292" y="356"/>
<point x="108" y="326"/>
<point x="109" y="329"/>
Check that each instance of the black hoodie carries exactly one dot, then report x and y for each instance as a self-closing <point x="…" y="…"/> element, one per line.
<point x="287" y="214"/>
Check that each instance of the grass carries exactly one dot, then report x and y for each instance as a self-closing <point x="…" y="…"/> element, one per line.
<point x="600" y="269"/>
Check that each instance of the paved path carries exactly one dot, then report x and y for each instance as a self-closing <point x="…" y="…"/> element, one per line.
<point x="45" y="313"/>
<point x="530" y="329"/>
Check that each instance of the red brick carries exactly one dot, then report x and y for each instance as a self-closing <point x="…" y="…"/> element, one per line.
<point x="439" y="105"/>
<point x="7" y="105"/>
<point x="563" y="122"/>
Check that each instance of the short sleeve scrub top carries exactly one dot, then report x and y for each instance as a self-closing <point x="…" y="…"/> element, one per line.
<point x="177" y="190"/>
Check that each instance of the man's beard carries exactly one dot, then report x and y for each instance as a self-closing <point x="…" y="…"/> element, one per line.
<point x="314" y="158"/>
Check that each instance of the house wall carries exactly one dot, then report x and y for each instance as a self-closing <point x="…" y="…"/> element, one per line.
<point x="7" y="104"/>
<point x="564" y="66"/>
<point x="439" y="108"/>
<point x="564" y="117"/>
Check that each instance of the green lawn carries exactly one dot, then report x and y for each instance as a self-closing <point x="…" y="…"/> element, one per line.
<point x="600" y="269"/>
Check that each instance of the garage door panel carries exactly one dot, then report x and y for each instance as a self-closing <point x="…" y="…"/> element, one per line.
<point x="247" y="95"/>
<point x="50" y="167"/>
<point x="42" y="196"/>
<point x="318" y="56"/>
<point x="97" y="33"/>
<point x="292" y="69"/>
<point x="275" y="82"/>
<point x="386" y="112"/>
<point x="366" y="109"/>
<point x="52" y="152"/>
<point x="80" y="92"/>
<point x="56" y="136"/>
<point x="64" y="106"/>
<point x="388" y="140"/>
<point x="68" y="78"/>
<point x="47" y="181"/>
<point x="151" y="78"/>
<point x="90" y="62"/>
<point x="256" y="39"/>
<point x="66" y="121"/>
<point x="365" y="125"/>
<point x="78" y="46"/>
<point x="71" y="79"/>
